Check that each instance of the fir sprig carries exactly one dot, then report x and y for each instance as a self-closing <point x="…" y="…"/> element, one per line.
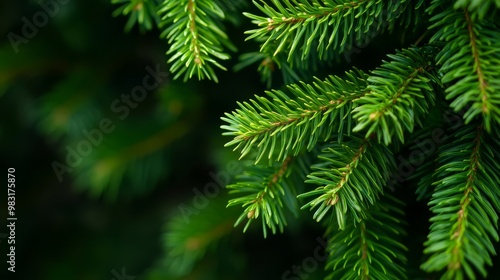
<point x="198" y="42"/>
<point x="469" y="62"/>
<point x="283" y="125"/>
<point x="266" y="191"/>
<point x="372" y="249"/>
<point x="351" y="175"/>
<point x="401" y="94"/>
<point x="465" y="204"/>
<point x="321" y="26"/>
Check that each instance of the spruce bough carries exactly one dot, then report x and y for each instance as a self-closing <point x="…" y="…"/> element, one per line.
<point x="362" y="120"/>
<point x="330" y="145"/>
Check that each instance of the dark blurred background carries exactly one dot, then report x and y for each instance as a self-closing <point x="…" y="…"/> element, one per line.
<point x="115" y="209"/>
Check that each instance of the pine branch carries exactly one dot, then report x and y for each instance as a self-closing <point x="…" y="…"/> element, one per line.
<point x="351" y="176"/>
<point x="373" y="248"/>
<point x="198" y="42"/>
<point x="268" y="190"/>
<point x="299" y="25"/>
<point x="294" y="67"/>
<point x="401" y="95"/>
<point x="470" y="61"/>
<point x="283" y="126"/>
<point x="465" y="205"/>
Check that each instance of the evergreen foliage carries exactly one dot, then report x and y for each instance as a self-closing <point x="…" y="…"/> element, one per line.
<point x="371" y="249"/>
<point x="301" y="26"/>
<point x="355" y="147"/>
<point x="334" y="145"/>
<point x="280" y="126"/>
<point x="192" y="27"/>
<point x="401" y="94"/>
<point x="351" y="175"/>
<point x="465" y="204"/>
<point x="269" y="190"/>
<point x="356" y="119"/>
<point x="467" y="36"/>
